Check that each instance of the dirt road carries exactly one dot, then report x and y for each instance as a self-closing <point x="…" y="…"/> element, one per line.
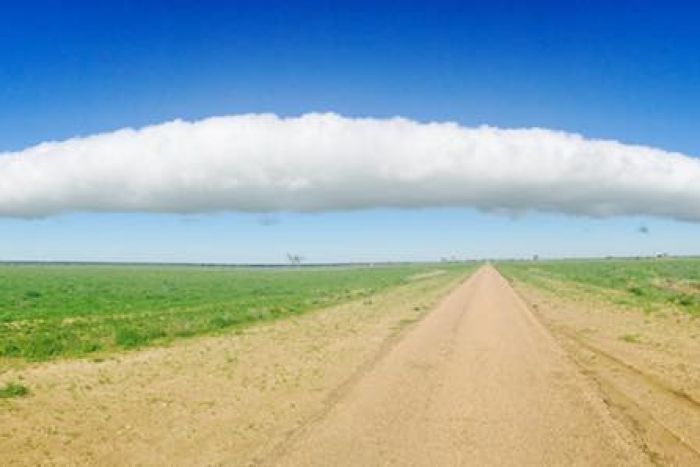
<point x="479" y="381"/>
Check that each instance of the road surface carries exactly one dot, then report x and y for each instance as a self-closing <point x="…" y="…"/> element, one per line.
<point x="477" y="382"/>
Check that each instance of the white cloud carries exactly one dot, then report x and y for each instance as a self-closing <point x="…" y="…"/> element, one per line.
<point x="319" y="162"/>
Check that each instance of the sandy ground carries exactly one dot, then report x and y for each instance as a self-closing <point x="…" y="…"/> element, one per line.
<point x="647" y="366"/>
<point x="480" y="380"/>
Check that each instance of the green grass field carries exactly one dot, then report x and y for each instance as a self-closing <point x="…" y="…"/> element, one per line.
<point x="49" y="311"/>
<point x="648" y="284"/>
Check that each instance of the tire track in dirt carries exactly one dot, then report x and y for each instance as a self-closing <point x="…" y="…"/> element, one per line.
<point x="634" y="379"/>
<point x="668" y="443"/>
<point x="478" y="381"/>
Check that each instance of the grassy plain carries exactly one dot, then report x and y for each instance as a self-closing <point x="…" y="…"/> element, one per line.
<point x="49" y="311"/>
<point x="647" y="284"/>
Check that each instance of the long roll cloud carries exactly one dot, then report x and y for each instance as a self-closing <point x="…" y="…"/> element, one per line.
<point x="321" y="162"/>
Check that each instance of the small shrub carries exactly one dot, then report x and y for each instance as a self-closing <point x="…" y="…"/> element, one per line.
<point x="13" y="390"/>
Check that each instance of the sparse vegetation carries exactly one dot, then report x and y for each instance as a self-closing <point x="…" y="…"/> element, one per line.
<point x="13" y="389"/>
<point x="49" y="311"/>
<point x="648" y="284"/>
<point x="631" y="338"/>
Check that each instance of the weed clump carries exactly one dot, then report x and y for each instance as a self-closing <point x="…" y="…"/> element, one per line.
<point x="684" y="299"/>
<point x="13" y="389"/>
<point x="631" y="338"/>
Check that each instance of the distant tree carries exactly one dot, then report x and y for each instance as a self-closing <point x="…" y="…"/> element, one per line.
<point x="294" y="260"/>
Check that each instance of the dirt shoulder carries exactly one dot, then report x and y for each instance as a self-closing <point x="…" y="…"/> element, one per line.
<point x="646" y="365"/>
<point x="217" y="400"/>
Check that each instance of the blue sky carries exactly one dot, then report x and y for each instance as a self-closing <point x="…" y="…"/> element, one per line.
<point x="629" y="72"/>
